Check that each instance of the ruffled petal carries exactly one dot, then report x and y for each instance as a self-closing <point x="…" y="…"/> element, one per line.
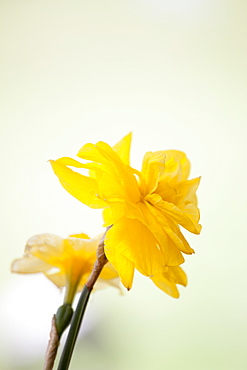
<point x="57" y="278"/>
<point x="166" y="191"/>
<point x="114" y="212"/>
<point x="154" y="220"/>
<point x="113" y="169"/>
<point x="111" y="189"/>
<point x="167" y="286"/>
<point x="122" y="148"/>
<point x="108" y="272"/>
<point x="177" y="165"/>
<point x="177" y="275"/>
<point x="80" y="236"/>
<point x="122" y="264"/>
<point x="29" y="265"/>
<point x="193" y="213"/>
<point x="185" y="216"/>
<point x="135" y="241"/>
<point x="178" y="238"/>
<point x="44" y="246"/>
<point x="83" y="188"/>
<point x="46" y="240"/>
<point x="153" y="167"/>
<point x="167" y="281"/>
<point x="107" y="216"/>
<point x="85" y="247"/>
<point x="185" y="192"/>
<point x="102" y="284"/>
<point x="169" y="242"/>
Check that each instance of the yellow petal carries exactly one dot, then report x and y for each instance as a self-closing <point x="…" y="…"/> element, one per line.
<point x="84" y="246"/>
<point x="175" y="234"/>
<point x="185" y="192"/>
<point x="122" y="148"/>
<point x="117" y="210"/>
<point x="177" y="275"/>
<point x="102" y="284"/>
<point x="111" y="189"/>
<point x="44" y="246"/>
<point x="80" y="236"/>
<point x="156" y="223"/>
<point x="108" y="272"/>
<point x="29" y="265"/>
<point x="167" y="281"/>
<point x="176" y="237"/>
<point x="83" y="188"/>
<point x="133" y="240"/>
<point x="174" y="157"/>
<point x="57" y="278"/>
<point x="107" y="216"/>
<point x="113" y="169"/>
<point x="153" y="168"/>
<point x="167" y="286"/>
<point x="184" y="216"/>
<point x="122" y="264"/>
<point x="114" y="212"/>
<point x="192" y="212"/>
<point x="166" y="191"/>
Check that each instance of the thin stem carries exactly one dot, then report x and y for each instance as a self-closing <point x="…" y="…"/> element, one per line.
<point x="52" y="347"/>
<point x="70" y="290"/>
<point x="99" y="264"/>
<point x="74" y="329"/>
<point x="81" y="307"/>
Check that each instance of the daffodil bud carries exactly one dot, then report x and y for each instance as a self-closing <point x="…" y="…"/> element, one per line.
<point x="63" y="317"/>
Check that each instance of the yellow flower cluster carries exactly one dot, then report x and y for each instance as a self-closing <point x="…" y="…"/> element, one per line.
<point x="145" y="209"/>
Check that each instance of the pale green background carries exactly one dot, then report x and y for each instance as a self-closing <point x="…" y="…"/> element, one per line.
<point x="174" y="73"/>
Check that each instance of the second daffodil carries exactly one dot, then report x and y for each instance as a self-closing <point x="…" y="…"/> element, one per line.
<point x="67" y="262"/>
<point x="145" y="208"/>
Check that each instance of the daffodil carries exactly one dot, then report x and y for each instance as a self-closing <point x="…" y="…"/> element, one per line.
<point x="145" y="208"/>
<point x="66" y="262"/>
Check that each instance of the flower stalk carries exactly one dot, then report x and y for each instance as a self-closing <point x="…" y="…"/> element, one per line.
<point x="52" y="347"/>
<point x="74" y="329"/>
<point x="81" y="307"/>
<point x="60" y="322"/>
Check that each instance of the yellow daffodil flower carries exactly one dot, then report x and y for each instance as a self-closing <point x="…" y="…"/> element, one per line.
<point x="66" y="262"/>
<point x="145" y="208"/>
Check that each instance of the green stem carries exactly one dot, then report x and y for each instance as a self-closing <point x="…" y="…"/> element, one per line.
<point x="74" y="329"/>
<point x="81" y="306"/>
<point x="70" y="290"/>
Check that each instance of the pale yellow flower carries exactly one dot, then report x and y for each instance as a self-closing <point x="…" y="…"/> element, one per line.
<point x="66" y="262"/>
<point x="146" y="208"/>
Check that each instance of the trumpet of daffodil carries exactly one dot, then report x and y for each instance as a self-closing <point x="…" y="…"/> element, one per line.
<point x="145" y="208"/>
<point x="66" y="262"/>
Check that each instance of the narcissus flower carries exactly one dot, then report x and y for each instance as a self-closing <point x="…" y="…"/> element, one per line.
<point x="66" y="262"/>
<point x="145" y="208"/>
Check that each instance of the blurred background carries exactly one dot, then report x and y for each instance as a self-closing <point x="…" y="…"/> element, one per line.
<point x="174" y="73"/>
